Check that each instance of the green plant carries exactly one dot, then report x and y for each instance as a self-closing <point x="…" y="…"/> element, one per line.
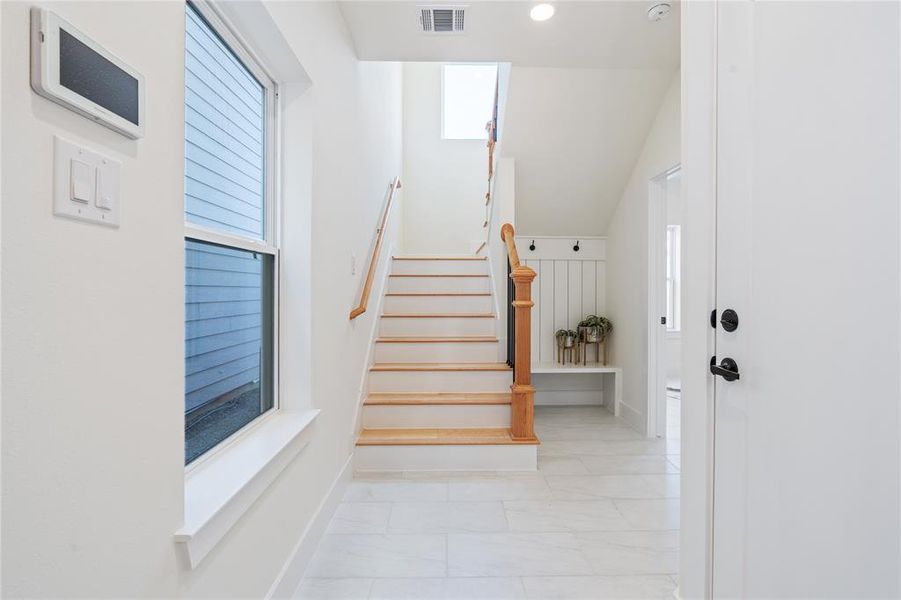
<point x="565" y="333"/>
<point x="601" y="323"/>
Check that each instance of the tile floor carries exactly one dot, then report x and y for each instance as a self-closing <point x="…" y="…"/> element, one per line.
<point x="599" y="519"/>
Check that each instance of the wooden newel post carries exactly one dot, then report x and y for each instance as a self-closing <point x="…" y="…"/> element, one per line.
<point x="523" y="396"/>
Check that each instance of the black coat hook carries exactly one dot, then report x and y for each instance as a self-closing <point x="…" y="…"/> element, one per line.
<point x="576" y="247"/>
<point x="532" y="246"/>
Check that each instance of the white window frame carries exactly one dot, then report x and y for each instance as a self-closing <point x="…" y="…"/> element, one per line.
<point x="673" y="279"/>
<point x="271" y="242"/>
<point x="443" y="72"/>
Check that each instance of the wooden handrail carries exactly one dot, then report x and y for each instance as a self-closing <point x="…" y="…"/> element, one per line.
<point x="522" y="407"/>
<point x="374" y="259"/>
<point x="507" y="235"/>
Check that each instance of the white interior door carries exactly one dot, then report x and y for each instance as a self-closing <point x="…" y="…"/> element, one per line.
<point x="806" y="476"/>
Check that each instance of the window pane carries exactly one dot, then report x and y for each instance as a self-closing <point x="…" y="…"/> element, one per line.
<point x="224" y="135"/>
<point x="228" y="342"/>
<point x="468" y="100"/>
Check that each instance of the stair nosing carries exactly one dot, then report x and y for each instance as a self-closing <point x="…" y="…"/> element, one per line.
<point x="439" y="399"/>
<point x="435" y="275"/>
<point x="501" y="439"/>
<point x="484" y="367"/>
<point x="427" y="294"/>
<point x="436" y="339"/>
<point x="439" y="257"/>
<point x="437" y="315"/>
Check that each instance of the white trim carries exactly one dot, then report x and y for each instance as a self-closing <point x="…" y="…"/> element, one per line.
<point x="656" y="306"/>
<point x="698" y="101"/>
<point x="561" y="247"/>
<point x="219" y="492"/>
<point x="291" y="575"/>
<point x="272" y="207"/>
<point x="204" y="234"/>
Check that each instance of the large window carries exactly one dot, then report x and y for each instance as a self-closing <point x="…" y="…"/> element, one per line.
<point x="673" y="278"/>
<point x="230" y="245"/>
<point x="467" y="100"/>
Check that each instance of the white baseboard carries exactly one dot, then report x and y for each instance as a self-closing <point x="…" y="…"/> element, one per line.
<point x="501" y="457"/>
<point x="633" y="417"/>
<point x="289" y="578"/>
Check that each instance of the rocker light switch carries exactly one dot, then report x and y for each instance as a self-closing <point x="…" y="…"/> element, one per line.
<point x="86" y="184"/>
<point x="81" y="181"/>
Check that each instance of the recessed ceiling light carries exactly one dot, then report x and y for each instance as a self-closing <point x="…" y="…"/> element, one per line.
<point x="542" y="12"/>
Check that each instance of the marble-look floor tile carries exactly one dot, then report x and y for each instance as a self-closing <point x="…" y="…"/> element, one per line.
<point x="333" y="589"/>
<point x="379" y="476"/>
<point x="360" y="517"/>
<point x="515" y="554"/>
<point x="447" y="517"/>
<point x="646" y="587"/>
<point x="588" y="487"/>
<point x="675" y="459"/>
<point x="667" y="486"/>
<point x="450" y="475"/>
<point x="585" y="431"/>
<point x="533" y="487"/>
<point x="389" y="491"/>
<point x="650" y="514"/>
<point x="465" y="588"/>
<point x="631" y="552"/>
<point x="561" y="515"/>
<point x="628" y="465"/>
<point x="641" y="446"/>
<point x="373" y="555"/>
<point x="561" y="465"/>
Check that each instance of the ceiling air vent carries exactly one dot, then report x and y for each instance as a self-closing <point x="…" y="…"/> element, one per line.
<point x="441" y="19"/>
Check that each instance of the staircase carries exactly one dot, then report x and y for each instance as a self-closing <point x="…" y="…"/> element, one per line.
<point x="439" y="396"/>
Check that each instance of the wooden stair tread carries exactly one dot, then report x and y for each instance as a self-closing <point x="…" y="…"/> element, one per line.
<point x="437" y="315"/>
<point x="435" y="275"/>
<point x="439" y="257"/>
<point x="427" y="294"/>
<point x="438" y="437"/>
<point x="435" y="339"/>
<point x="408" y="366"/>
<point x="432" y="399"/>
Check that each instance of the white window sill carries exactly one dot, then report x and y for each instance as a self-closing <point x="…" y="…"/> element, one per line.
<point x="221" y="490"/>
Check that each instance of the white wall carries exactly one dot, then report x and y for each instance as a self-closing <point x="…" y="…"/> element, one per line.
<point x="92" y="376"/>
<point x="627" y="258"/>
<point x="575" y="135"/>
<point x="445" y="181"/>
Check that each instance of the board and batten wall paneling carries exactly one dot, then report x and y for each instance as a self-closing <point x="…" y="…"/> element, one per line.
<point x="568" y="286"/>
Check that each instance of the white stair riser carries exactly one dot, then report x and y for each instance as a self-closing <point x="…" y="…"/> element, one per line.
<point x="438" y="304"/>
<point x="433" y="352"/>
<point x="439" y="285"/>
<point x="440" y="381"/>
<point x="440" y="416"/>
<point x="514" y="457"/>
<point x="455" y="267"/>
<point x="435" y="326"/>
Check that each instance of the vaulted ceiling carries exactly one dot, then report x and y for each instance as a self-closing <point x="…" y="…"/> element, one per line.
<point x="608" y="34"/>
<point x="584" y="89"/>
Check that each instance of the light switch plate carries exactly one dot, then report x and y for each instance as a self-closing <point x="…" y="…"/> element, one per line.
<point x="103" y="207"/>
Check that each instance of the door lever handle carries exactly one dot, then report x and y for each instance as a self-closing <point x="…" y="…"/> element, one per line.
<point x="727" y="369"/>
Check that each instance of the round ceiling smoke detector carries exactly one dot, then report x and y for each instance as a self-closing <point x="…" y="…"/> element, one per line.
<point x="659" y="11"/>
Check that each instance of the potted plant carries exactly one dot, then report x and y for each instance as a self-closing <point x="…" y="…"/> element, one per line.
<point x="566" y="338"/>
<point x="594" y="329"/>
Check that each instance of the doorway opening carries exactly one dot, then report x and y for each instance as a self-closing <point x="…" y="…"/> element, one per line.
<point x="665" y="305"/>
